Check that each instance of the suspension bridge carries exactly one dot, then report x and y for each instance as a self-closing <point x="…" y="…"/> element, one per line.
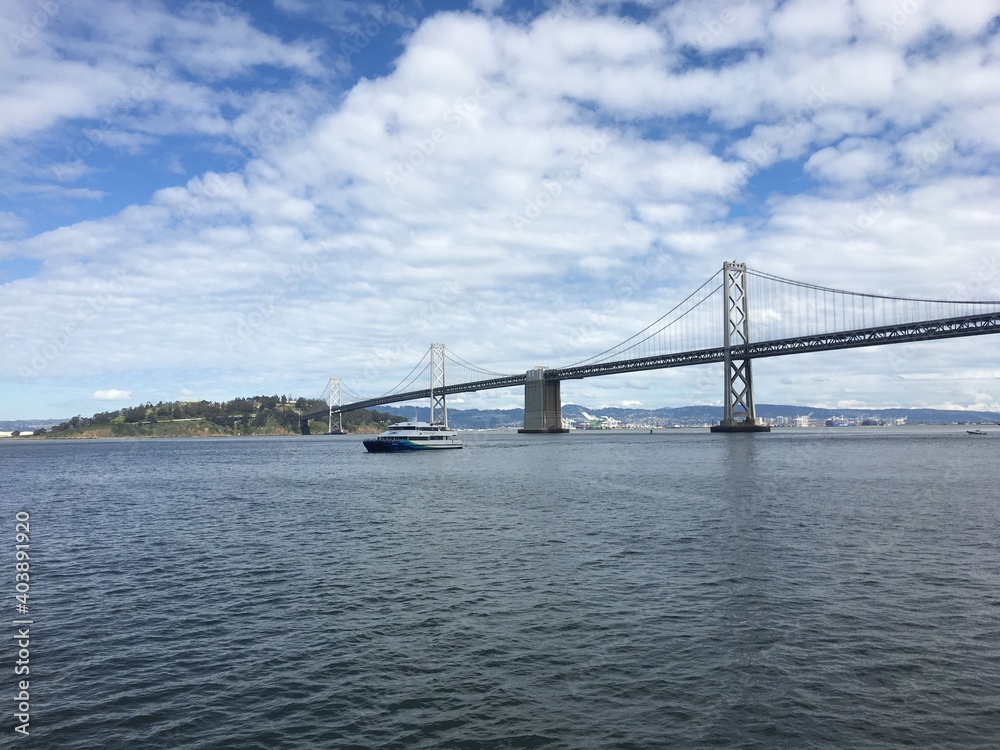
<point x="735" y="317"/>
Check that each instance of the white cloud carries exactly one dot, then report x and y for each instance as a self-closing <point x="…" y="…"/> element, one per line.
<point x="529" y="193"/>
<point x="359" y="20"/>
<point x="717" y="24"/>
<point x="112" y="395"/>
<point x="488" y="6"/>
<point x="803" y="23"/>
<point x="852" y="160"/>
<point x="11" y="225"/>
<point x="96" y="80"/>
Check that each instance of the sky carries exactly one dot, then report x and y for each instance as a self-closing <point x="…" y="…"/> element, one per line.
<point x="208" y="200"/>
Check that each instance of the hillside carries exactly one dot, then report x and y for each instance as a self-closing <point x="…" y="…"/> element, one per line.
<point x="256" y="415"/>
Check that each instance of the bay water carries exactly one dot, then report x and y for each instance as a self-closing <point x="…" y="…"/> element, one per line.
<point x="825" y="588"/>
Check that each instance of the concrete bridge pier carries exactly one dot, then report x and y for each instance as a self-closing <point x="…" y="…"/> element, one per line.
<point x="542" y="403"/>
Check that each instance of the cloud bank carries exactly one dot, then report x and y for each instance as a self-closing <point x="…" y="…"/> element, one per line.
<point x="221" y="204"/>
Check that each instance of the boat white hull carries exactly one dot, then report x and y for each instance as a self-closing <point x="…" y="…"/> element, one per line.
<point x="414" y="436"/>
<point x="394" y="446"/>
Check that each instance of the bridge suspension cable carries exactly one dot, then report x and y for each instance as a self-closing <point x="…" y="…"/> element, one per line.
<point x="470" y="368"/>
<point x="460" y="371"/>
<point x="778" y="316"/>
<point x="693" y="323"/>
<point x="351" y="394"/>
<point x="783" y="308"/>
<point x="406" y="384"/>
<point x="778" y="309"/>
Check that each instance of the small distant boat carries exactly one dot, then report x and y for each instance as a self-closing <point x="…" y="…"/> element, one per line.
<point x="413" y="436"/>
<point x="977" y="432"/>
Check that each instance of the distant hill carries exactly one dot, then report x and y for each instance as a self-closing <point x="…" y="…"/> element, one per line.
<point x="465" y="419"/>
<point x="263" y="415"/>
<point x="697" y="415"/>
<point x="27" y="425"/>
<point x="913" y="416"/>
<point x="484" y="419"/>
<point x="255" y="415"/>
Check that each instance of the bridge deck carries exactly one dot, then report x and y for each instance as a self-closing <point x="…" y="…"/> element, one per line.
<point x="929" y="330"/>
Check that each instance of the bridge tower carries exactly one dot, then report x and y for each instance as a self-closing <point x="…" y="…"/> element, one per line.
<point x="542" y="403"/>
<point x="333" y="399"/>
<point x="439" y="409"/>
<point x="739" y="414"/>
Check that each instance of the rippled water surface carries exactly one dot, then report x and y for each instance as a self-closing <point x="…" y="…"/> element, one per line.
<point x="803" y="589"/>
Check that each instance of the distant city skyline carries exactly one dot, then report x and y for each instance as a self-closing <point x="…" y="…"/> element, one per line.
<point x="779" y="415"/>
<point x="207" y="200"/>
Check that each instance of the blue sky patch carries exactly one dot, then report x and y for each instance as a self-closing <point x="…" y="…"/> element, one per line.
<point x="19" y="268"/>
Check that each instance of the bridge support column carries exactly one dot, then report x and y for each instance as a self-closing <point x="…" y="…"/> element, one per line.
<point x="439" y="407"/>
<point x="333" y="399"/>
<point x="542" y="403"/>
<point x="739" y="413"/>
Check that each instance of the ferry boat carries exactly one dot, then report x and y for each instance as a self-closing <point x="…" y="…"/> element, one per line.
<point x="414" y="436"/>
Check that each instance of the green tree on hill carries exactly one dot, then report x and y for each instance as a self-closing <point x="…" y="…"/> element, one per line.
<point x="240" y="416"/>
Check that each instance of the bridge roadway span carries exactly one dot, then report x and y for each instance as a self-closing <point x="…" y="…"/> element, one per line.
<point x="969" y="325"/>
